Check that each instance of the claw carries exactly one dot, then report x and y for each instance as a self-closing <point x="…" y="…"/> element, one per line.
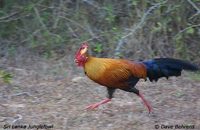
<point x="146" y="103"/>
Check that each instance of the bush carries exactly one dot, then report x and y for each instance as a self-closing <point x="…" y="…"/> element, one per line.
<point x="47" y="27"/>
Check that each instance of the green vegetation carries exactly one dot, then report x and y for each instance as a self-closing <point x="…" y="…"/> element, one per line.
<point x="195" y="76"/>
<point x="5" y="76"/>
<point x="45" y="27"/>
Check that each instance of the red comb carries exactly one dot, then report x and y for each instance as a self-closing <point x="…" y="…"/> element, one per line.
<point x="85" y="44"/>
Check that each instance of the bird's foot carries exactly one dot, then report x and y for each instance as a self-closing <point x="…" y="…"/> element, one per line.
<point x="146" y="103"/>
<point x="95" y="105"/>
<point x="149" y="108"/>
<point x="92" y="106"/>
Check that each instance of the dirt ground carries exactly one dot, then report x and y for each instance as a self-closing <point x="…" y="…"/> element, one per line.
<point x="56" y="93"/>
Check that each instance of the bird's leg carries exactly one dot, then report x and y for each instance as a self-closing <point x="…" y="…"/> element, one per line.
<point x="95" y="105"/>
<point x="146" y="103"/>
<point x="136" y="91"/>
<point x="110" y="95"/>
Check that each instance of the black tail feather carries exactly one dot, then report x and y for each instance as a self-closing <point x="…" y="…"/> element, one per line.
<point x="184" y="65"/>
<point x="166" y="67"/>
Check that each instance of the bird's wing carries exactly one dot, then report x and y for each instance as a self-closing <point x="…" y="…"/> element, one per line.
<point x="117" y="75"/>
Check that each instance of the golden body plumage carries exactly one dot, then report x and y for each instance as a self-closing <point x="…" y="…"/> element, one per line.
<point x="113" y="72"/>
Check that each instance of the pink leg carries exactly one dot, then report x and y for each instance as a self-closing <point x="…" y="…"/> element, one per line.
<point x="93" y="106"/>
<point x="145" y="102"/>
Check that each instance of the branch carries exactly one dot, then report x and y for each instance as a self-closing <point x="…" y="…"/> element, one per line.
<point x="197" y="25"/>
<point x="72" y="21"/>
<point x="39" y="18"/>
<point x="138" y="26"/>
<point x="56" y="21"/>
<point x="88" y="29"/>
<point x="71" y="30"/>
<point x="30" y="36"/>
<point x="8" y="16"/>
<point x="92" y="3"/>
<point x="195" y="6"/>
<point x="95" y="37"/>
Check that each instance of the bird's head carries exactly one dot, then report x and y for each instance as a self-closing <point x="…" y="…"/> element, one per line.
<point x="81" y="55"/>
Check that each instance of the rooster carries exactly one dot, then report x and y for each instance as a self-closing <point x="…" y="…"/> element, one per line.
<point x="124" y="74"/>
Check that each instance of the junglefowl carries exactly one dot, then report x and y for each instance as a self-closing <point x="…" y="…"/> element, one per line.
<point x="124" y="74"/>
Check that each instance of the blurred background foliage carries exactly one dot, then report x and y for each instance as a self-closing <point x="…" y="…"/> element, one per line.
<point x="55" y="28"/>
<point x="5" y="76"/>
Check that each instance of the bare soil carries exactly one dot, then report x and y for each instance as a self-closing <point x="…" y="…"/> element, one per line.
<point x="56" y="93"/>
